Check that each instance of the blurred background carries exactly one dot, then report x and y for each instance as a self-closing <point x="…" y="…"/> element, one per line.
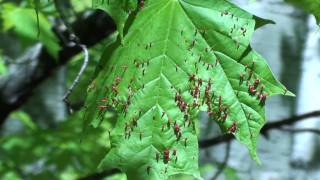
<point x="41" y="139"/>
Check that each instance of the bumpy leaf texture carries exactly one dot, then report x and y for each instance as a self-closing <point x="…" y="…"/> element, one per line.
<point x="180" y="57"/>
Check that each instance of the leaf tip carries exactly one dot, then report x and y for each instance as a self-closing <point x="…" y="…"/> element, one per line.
<point x="288" y="93"/>
<point x="261" y="22"/>
<point x="254" y="156"/>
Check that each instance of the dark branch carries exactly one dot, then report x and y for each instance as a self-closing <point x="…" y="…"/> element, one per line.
<point x="309" y="130"/>
<point x="216" y="140"/>
<point x="290" y="120"/>
<point x="272" y="125"/>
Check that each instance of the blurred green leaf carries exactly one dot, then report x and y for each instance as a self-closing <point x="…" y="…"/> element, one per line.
<point x="23" y="22"/>
<point x="25" y="119"/>
<point x="311" y="6"/>
<point x="230" y="174"/>
<point x="78" y="7"/>
<point x="62" y="153"/>
<point x="3" y="68"/>
<point x="206" y="168"/>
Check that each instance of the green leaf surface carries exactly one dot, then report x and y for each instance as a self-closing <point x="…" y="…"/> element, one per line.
<point x="311" y="6"/>
<point x="178" y="58"/>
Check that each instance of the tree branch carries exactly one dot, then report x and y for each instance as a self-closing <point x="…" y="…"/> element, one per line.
<point x="290" y="121"/>
<point x="310" y="130"/>
<point x="269" y="126"/>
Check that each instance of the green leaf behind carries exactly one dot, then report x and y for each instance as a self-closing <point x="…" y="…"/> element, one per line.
<point x="23" y="21"/>
<point x="311" y="6"/>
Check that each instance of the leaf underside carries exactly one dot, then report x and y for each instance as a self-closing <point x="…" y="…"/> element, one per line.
<point x="180" y="57"/>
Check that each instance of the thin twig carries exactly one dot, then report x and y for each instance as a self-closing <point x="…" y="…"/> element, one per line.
<point x="223" y="165"/>
<point x="269" y="126"/>
<point x="74" y="41"/>
<point x="77" y="79"/>
<point x="290" y="120"/>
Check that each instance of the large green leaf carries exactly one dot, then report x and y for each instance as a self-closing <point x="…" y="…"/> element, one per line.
<point x="311" y="6"/>
<point x="178" y="58"/>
